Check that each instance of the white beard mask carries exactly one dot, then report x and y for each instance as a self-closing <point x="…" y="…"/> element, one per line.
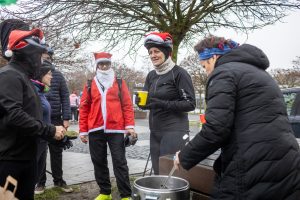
<point x="106" y="77"/>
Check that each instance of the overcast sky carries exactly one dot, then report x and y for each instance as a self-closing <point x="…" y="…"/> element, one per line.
<point x="281" y="41"/>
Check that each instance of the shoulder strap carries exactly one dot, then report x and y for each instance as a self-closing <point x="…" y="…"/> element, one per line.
<point x="119" y="81"/>
<point x="89" y="85"/>
<point x="89" y="90"/>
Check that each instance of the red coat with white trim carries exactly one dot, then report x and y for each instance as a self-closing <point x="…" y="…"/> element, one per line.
<point x="104" y="109"/>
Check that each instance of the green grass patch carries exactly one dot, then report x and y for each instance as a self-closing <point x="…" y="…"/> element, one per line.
<point x="53" y="193"/>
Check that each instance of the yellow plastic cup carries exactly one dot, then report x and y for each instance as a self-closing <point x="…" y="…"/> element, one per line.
<point x="143" y="95"/>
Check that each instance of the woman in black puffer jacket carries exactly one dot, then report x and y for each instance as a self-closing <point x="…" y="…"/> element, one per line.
<point x="246" y="117"/>
<point x="170" y="96"/>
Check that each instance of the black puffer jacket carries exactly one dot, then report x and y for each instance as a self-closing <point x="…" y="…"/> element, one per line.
<point x="20" y="115"/>
<point x="58" y="97"/>
<point x="176" y="90"/>
<point x="246" y="118"/>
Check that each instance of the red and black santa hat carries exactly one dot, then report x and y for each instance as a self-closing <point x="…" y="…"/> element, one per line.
<point x="102" y="57"/>
<point x="162" y="41"/>
<point x="6" y="27"/>
<point x="19" y="39"/>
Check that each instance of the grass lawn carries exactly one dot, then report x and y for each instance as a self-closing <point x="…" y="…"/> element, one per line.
<point x="53" y="193"/>
<point x="88" y="190"/>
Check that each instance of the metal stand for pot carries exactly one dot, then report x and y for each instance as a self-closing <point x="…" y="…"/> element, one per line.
<point x="144" y="173"/>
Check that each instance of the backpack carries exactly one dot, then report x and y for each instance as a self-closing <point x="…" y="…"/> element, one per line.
<point x="89" y="85"/>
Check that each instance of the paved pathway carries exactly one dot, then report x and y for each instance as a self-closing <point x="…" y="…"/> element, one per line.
<point x="78" y="167"/>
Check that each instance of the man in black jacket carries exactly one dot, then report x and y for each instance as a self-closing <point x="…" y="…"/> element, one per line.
<point x="58" y="98"/>
<point x="20" y="116"/>
<point x="246" y="117"/>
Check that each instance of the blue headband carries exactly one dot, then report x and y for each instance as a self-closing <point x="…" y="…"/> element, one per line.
<point x="209" y="52"/>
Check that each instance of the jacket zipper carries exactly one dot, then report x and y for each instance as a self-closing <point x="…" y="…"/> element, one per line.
<point x="154" y="93"/>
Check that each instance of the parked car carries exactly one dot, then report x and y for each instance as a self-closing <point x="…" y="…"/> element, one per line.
<point x="292" y="100"/>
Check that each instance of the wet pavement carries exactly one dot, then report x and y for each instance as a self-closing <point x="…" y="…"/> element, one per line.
<point x="77" y="164"/>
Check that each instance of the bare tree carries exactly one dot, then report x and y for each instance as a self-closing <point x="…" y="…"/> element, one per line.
<point x="287" y="77"/>
<point x="296" y="62"/>
<point x="116" y="21"/>
<point x="68" y="57"/>
<point x="198" y="75"/>
<point x="131" y="76"/>
<point x="76" y="80"/>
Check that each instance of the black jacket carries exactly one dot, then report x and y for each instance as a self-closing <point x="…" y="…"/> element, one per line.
<point x="20" y="116"/>
<point x="58" y="97"/>
<point x="176" y="91"/>
<point x="246" y="117"/>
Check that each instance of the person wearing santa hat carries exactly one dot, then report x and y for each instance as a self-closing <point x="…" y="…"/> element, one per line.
<point x="21" y="116"/>
<point x="6" y="27"/>
<point x="106" y="114"/>
<point x="170" y="96"/>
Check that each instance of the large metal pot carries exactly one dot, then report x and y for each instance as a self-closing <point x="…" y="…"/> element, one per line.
<point x="150" y="188"/>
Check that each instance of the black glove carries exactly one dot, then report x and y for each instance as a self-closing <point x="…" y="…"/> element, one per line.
<point x="138" y="100"/>
<point x="155" y="103"/>
<point x="129" y="140"/>
<point x="65" y="143"/>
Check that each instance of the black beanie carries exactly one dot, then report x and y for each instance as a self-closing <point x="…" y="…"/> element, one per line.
<point x="44" y="69"/>
<point x="6" y="27"/>
<point x="166" y="50"/>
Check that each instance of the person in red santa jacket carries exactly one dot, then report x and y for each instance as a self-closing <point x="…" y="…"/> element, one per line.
<point x="106" y="114"/>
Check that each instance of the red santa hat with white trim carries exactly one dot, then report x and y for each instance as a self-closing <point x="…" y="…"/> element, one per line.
<point x="158" y="39"/>
<point x="102" y="57"/>
<point x="163" y="41"/>
<point x="19" y="39"/>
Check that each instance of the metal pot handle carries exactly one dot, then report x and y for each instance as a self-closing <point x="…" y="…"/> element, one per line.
<point x="151" y="198"/>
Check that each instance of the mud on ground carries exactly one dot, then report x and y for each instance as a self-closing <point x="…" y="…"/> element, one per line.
<point x="89" y="191"/>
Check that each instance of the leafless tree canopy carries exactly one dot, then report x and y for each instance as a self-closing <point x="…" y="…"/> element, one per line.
<point x="296" y="62"/>
<point x="116" y="21"/>
<point x="198" y="75"/>
<point x="287" y="78"/>
<point x="132" y="77"/>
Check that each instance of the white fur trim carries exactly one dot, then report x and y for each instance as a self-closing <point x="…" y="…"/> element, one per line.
<point x="8" y="53"/>
<point x="84" y="133"/>
<point x="114" y="131"/>
<point x="96" y="129"/>
<point x="154" y="38"/>
<point x="43" y="41"/>
<point x="103" y="60"/>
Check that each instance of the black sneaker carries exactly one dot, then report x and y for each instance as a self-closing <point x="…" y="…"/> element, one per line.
<point x="64" y="187"/>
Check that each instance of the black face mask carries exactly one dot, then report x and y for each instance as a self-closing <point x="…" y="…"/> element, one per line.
<point x="30" y="58"/>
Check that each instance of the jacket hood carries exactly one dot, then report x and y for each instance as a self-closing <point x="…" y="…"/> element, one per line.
<point x="246" y="53"/>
